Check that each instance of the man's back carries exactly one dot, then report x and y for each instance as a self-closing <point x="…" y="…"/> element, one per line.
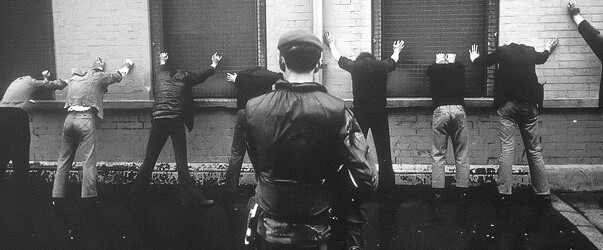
<point x="516" y="78"/>
<point x="293" y="135"/>
<point x="369" y="79"/>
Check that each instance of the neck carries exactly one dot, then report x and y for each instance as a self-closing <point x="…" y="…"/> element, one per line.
<point x="293" y="77"/>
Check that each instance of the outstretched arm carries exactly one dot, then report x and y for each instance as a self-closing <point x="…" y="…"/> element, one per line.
<point x="330" y="40"/>
<point x="398" y="46"/>
<point x="591" y="35"/>
<point x="47" y="84"/>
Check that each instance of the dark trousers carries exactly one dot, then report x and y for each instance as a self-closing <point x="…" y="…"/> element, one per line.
<point x="161" y="129"/>
<point x="376" y="120"/>
<point x="14" y="144"/>
<point x="237" y="153"/>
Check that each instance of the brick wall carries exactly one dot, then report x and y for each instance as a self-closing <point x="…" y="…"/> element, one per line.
<point x="123" y="134"/>
<point x="569" y="136"/>
<point x="572" y="71"/>
<point x="113" y="30"/>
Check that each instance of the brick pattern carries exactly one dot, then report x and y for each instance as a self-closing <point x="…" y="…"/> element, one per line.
<point x="572" y="71"/>
<point x="350" y="23"/>
<point x="568" y="136"/>
<point x="282" y="16"/>
<point x="113" y="30"/>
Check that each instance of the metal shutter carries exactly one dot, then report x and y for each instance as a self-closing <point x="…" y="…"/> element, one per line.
<point x="194" y="30"/>
<point x="429" y="27"/>
<point x="27" y="42"/>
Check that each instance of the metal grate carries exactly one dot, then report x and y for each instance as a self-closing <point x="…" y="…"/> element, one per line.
<point x="429" y="27"/>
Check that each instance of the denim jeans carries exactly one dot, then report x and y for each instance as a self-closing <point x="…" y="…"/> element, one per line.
<point x="449" y="121"/>
<point x="525" y="117"/>
<point x="376" y="119"/>
<point x="161" y="129"/>
<point x="237" y="153"/>
<point x="79" y="130"/>
<point x="14" y="144"/>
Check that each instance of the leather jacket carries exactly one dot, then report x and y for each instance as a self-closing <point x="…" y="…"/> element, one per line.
<point x="305" y="146"/>
<point x="173" y="92"/>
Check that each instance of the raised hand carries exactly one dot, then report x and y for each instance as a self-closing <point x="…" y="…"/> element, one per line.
<point x="552" y="44"/>
<point x="231" y="77"/>
<point x="473" y="53"/>
<point x="398" y="45"/>
<point x="329" y="39"/>
<point x="163" y="57"/>
<point x="46" y="74"/>
<point x="215" y="59"/>
<point x="572" y="9"/>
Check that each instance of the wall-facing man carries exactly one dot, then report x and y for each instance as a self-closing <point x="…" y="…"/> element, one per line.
<point x="249" y="83"/>
<point x="84" y="104"/>
<point x="299" y="137"/>
<point x="14" y="125"/>
<point x="172" y="112"/>
<point x="517" y="98"/>
<point x="369" y="83"/>
<point x="592" y="36"/>
<point x="449" y="121"/>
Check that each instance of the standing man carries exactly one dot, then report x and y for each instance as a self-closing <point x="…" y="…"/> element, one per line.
<point x="85" y="92"/>
<point x="592" y="37"/>
<point x="449" y="121"/>
<point x="305" y="147"/>
<point x="517" y="96"/>
<point x="14" y="125"/>
<point x="172" y="111"/>
<point x="369" y="83"/>
<point x="250" y="83"/>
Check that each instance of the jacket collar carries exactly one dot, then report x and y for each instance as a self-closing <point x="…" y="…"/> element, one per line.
<point x="299" y="86"/>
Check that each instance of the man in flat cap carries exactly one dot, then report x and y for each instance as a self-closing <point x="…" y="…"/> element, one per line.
<point x="306" y="148"/>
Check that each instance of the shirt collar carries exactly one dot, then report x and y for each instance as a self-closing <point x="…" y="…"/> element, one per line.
<point x="299" y="86"/>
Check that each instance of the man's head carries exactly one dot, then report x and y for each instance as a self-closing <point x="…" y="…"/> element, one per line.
<point x="365" y="56"/>
<point x="299" y="51"/>
<point x="98" y="64"/>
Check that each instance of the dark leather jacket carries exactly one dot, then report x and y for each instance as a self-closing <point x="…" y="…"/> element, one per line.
<point x="298" y="138"/>
<point x="173" y="93"/>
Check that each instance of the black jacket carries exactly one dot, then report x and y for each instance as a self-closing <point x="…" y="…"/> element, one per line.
<point x="369" y="80"/>
<point x="515" y="78"/>
<point x="594" y="39"/>
<point x="298" y="137"/>
<point x="253" y="82"/>
<point x="172" y="91"/>
<point x="447" y="83"/>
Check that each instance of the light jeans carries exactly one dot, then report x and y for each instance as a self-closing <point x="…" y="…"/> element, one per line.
<point x="79" y="130"/>
<point x="449" y="121"/>
<point x="525" y="117"/>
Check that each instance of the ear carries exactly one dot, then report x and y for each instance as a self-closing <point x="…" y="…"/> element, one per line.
<point x="281" y="63"/>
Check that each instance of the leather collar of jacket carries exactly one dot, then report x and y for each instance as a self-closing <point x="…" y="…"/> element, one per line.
<point x="299" y="87"/>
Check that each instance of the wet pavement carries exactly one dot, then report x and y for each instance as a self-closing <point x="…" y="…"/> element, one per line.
<point x="412" y="223"/>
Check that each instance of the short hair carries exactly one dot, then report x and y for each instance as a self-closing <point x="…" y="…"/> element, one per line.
<point x="301" y="58"/>
<point x="365" y="55"/>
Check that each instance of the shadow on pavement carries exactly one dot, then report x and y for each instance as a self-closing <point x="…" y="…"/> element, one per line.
<point x="160" y="223"/>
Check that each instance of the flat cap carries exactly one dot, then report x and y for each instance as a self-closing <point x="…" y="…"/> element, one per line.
<point x="299" y="37"/>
